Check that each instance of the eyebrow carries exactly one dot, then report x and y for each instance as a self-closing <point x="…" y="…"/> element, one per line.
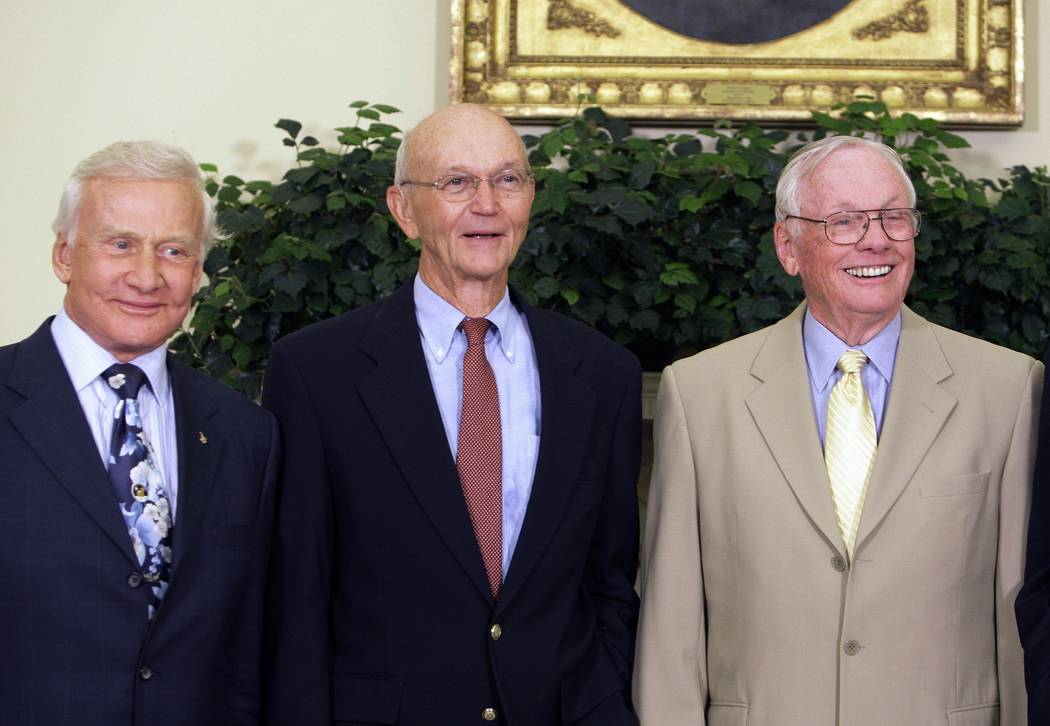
<point x="109" y="232"/>
<point x="460" y="169"/>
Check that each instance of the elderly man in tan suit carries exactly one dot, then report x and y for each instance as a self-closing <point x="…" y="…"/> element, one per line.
<point x="836" y="527"/>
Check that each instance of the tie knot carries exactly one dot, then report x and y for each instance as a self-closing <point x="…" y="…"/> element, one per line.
<point x="475" y="328"/>
<point x="125" y="379"/>
<point x="852" y="361"/>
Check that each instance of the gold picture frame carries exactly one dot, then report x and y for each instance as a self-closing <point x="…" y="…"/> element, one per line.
<point x="958" y="61"/>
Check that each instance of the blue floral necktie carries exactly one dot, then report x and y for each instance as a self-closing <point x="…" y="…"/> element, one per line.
<point x="137" y="481"/>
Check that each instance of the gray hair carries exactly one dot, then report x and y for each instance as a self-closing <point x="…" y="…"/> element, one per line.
<point x="806" y="160"/>
<point x="134" y="160"/>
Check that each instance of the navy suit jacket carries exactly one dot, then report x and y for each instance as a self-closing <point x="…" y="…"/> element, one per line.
<point x="380" y="611"/>
<point x="76" y="646"/>
<point x="1033" y="602"/>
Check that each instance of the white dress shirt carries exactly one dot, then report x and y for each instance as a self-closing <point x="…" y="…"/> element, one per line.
<point x="85" y="360"/>
<point x="509" y="350"/>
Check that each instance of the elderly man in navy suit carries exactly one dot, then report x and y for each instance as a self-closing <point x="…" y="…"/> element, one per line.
<point x="457" y="533"/>
<point x="136" y="495"/>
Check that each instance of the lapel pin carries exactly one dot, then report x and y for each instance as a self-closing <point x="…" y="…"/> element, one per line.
<point x="203" y="438"/>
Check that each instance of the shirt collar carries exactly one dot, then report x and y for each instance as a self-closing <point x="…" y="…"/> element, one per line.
<point x="439" y="319"/>
<point x="85" y="359"/>
<point x="824" y="348"/>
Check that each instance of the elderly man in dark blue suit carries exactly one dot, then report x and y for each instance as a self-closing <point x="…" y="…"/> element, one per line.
<point x="136" y="495"/>
<point x="457" y="533"/>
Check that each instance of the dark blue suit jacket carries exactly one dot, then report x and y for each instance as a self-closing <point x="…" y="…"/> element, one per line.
<point x="1033" y="602"/>
<point x="75" y="643"/>
<point x="379" y="608"/>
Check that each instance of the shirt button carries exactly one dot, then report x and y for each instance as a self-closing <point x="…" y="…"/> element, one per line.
<point x="838" y="563"/>
<point x="489" y="714"/>
<point x="145" y="673"/>
<point x="852" y="647"/>
<point x="496" y="632"/>
<point x="134" y="580"/>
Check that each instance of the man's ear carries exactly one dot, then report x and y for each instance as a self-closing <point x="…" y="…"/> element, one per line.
<point x="62" y="258"/>
<point x="785" y="244"/>
<point x="401" y="208"/>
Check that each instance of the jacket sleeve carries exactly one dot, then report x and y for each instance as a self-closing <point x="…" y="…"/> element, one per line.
<point x="670" y="676"/>
<point x="297" y="652"/>
<point x="612" y="563"/>
<point x="1033" y="602"/>
<point x="246" y="636"/>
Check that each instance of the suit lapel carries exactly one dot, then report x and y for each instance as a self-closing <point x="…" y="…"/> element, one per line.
<point x="200" y="449"/>
<point x="915" y="413"/>
<point x="52" y="422"/>
<point x="778" y="405"/>
<point x="401" y="400"/>
<point x="566" y="410"/>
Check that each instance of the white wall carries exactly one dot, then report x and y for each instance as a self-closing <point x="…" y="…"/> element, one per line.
<point x="214" y="75"/>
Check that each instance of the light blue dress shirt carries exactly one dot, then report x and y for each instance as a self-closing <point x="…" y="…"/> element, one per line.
<point x="85" y="360"/>
<point x="509" y="349"/>
<point x="823" y="350"/>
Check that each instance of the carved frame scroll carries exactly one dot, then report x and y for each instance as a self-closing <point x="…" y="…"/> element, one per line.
<point x="959" y="61"/>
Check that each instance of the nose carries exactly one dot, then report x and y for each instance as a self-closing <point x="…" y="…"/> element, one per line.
<point x="875" y="239"/>
<point x="485" y="200"/>
<point x="145" y="273"/>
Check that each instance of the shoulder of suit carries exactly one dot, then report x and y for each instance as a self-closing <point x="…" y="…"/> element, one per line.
<point x="220" y="394"/>
<point x="965" y="352"/>
<point x="586" y="339"/>
<point x="347" y="328"/>
<point x="728" y="357"/>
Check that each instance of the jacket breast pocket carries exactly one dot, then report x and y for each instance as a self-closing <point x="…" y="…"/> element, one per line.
<point x="953" y="486"/>
<point x="986" y="714"/>
<point x="726" y="714"/>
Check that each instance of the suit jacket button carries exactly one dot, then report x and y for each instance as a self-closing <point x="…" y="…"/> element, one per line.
<point x="838" y="563"/>
<point x="496" y="632"/>
<point x="134" y="580"/>
<point x="489" y="714"/>
<point x="145" y="673"/>
<point x="851" y="647"/>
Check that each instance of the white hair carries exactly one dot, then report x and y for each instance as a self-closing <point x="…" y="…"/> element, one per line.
<point x="133" y="160"/>
<point x="806" y="160"/>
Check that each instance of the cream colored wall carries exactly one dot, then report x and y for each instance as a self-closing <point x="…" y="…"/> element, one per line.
<point x="210" y="75"/>
<point x="214" y="75"/>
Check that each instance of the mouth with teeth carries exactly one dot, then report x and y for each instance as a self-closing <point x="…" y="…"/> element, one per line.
<point x="483" y="235"/>
<point x="876" y="271"/>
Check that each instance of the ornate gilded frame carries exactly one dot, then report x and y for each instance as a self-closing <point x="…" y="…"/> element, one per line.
<point x="959" y="61"/>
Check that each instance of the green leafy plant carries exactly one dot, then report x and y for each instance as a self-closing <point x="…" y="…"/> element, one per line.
<point x="664" y="244"/>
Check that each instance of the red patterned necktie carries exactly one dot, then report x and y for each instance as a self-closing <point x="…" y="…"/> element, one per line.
<point x="479" y="454"/>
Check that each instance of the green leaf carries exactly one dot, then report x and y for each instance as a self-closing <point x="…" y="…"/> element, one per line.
<point x="383" y="108"/>
<point x="690" y="203"/>
<point x="571" y="296"/>
<point x="292" y="128"/>
<point x="748" y="190"/>
<point x="208" y="168"/>
<point x="546" y="287"/>
<point x="677" y="273"/>
<point x="368" y="113"/>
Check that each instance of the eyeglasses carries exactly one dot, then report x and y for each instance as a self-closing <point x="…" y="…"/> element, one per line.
<point x="849" y="228"/>
<point x="461" y="187"/>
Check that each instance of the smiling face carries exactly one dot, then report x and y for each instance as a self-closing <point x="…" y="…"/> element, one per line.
<point x="853" y="290"/>
<point x="466" y="244"/>
<point x="136" y="262"/>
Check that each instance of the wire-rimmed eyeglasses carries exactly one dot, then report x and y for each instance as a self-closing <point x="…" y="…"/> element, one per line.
<point x="848" y="228"/>
<point x="461" y="187"/>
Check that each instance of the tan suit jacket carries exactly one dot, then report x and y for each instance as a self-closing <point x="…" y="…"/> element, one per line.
<point x="750" y="613"/>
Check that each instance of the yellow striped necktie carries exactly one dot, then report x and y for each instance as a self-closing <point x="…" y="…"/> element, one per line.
<point x="849" y="446"/>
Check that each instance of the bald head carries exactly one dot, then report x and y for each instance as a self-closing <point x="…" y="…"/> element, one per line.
<point x="460" y="120"/>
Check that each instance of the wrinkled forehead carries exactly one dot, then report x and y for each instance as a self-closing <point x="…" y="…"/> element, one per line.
<point x="477" y="142"/>
<point x="852" y="176"/>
